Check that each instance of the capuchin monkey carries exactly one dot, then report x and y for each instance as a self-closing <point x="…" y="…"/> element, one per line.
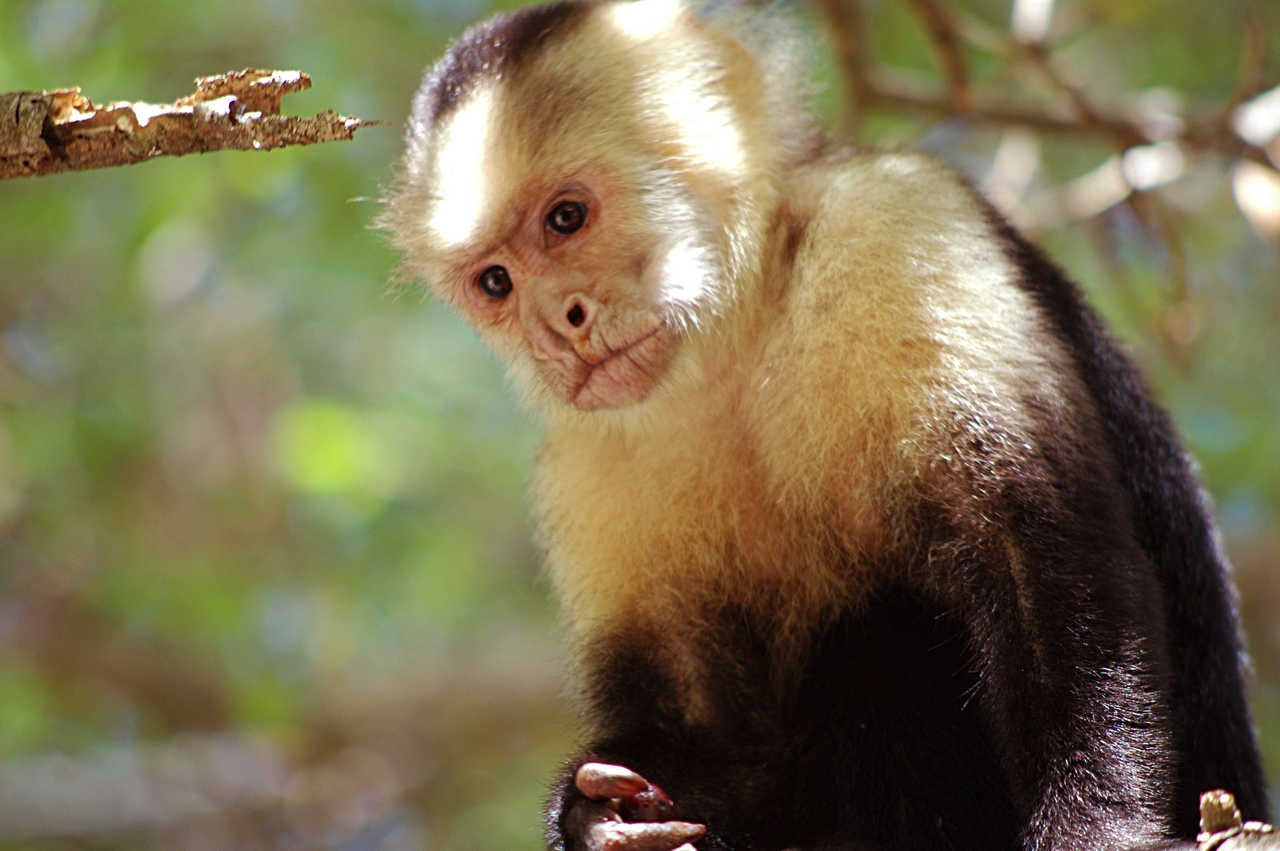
<point x="866" y="533"/>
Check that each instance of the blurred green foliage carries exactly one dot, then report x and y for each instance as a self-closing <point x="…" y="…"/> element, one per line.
<point x="261" y="517"/>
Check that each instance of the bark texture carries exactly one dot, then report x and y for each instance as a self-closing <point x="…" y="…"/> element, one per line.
<point x="62" y="130"/>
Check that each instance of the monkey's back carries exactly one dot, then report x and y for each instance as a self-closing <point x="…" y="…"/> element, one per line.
<point x="1211" y="719"/>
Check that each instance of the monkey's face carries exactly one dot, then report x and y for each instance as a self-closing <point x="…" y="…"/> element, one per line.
<point x="589" y="206"/>
<point x="568" y="293"/>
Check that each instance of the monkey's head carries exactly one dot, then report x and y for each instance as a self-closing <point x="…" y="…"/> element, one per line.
<point x="590" y="184"/>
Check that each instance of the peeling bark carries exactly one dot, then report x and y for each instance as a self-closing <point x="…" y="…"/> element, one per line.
<point x="1223" y="829"/>
<point x="61" y="130"/>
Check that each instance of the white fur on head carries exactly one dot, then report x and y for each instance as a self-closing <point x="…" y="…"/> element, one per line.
<point x="701" y="123"/>
<point x="462" y="172"/>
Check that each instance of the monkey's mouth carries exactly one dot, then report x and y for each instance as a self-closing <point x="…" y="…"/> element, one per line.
<point x="626" y="375"/>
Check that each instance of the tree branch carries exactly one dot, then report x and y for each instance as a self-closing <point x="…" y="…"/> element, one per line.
<point x="849" y="43"/>
<point x="61" y="130"/>
<point x="1074" y="114"/>
<point x="943" y="34"/>
<point x="1223" y="829"/>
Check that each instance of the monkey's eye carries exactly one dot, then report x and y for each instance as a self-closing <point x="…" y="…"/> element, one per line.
<point x="567" y="217"/>
<point x="495" y="283"/>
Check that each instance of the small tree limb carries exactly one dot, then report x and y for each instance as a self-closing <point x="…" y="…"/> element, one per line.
<point x="849" y="43"/>
<point x="61" y="130"/>
<point x="1223" y="829"/>
<point x="938" y="23"/>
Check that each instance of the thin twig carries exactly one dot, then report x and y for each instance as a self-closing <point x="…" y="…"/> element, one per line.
<point x="849" y="43"/>
<point x="1253" y="60"/>
<point x="889" y="89"/>
<point x="1215" y="137"/>
<point x="944" y="36"/>
<point x="1128" y="135"/>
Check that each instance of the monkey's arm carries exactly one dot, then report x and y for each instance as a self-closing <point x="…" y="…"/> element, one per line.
<point x="1064" y="619"/>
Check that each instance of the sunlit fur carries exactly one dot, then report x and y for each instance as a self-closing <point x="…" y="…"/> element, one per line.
<point x="702" y="150"/>
<point x="850" y="322"/>
<point x="845" y="393"/>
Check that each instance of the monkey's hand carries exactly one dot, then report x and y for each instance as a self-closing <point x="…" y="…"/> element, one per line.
<point x="624" y="812"/>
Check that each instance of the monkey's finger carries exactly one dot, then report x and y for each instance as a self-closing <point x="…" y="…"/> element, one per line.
<point x="600" y="780"/>
<point x="609" y="835"/>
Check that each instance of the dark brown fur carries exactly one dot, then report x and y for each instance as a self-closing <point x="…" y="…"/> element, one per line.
<point x="499" y="46"/>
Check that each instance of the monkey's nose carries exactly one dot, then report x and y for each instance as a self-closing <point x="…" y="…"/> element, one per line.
<point x="576" y="316"/>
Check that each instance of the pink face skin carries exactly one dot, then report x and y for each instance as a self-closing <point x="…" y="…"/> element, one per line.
<point x="565" y="283"/>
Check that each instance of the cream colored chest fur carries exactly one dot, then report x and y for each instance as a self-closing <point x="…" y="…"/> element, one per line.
<point x="902" y="336"/>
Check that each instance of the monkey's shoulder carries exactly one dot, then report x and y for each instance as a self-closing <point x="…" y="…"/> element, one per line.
<point x="883" y="232"/>
<point x="903" y="283"/>
<point x="888" y="191"/>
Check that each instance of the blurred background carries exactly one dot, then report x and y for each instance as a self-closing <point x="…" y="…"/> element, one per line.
<point x="266" y="579"/>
